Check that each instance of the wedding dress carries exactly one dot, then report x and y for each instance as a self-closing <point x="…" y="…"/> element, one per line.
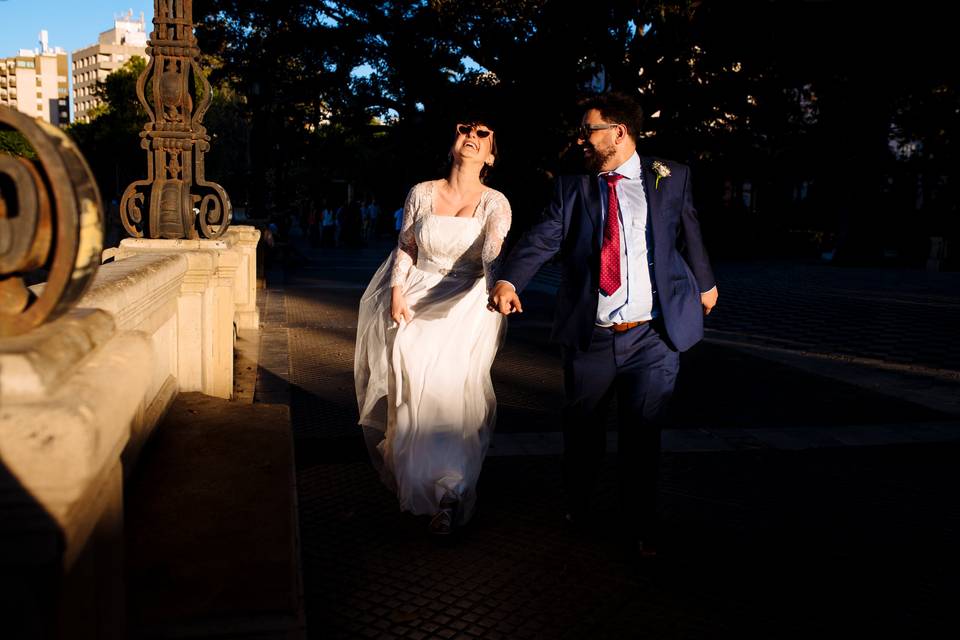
<point x="423" y="388"/>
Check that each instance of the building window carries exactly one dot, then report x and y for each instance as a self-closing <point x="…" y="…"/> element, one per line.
<point x="39" y="107"/>
<point x="40" y="95"/>
<point x="39" y="82"/>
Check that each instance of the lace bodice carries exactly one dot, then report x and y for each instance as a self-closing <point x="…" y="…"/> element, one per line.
<point x="460" y="244"/>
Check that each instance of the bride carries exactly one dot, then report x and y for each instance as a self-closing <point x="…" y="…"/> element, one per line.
<point x="425" y="340"/>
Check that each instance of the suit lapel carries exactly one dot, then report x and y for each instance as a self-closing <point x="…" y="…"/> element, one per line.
<point x="650" y="191"/>
<point x="591" y="198"/>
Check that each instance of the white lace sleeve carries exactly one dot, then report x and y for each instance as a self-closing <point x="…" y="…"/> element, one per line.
<point x="406" y="253"/>
<point x="496" y="227"/>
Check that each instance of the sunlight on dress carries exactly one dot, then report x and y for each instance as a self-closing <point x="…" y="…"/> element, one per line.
<point x="423" y="388"/>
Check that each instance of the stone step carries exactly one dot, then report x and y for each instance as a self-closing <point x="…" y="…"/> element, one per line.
<point x="211" y="526"/>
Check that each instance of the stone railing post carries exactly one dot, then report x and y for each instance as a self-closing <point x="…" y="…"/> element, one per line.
<point x="219" y="370"/>
<point x="245" y="292"/>
<point x="194" y="324"/>
<point x="217" y="294"/>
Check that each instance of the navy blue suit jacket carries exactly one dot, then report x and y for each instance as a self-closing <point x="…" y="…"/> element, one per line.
<point x="572" y="226"/>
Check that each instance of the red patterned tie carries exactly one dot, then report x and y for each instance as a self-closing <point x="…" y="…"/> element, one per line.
<point x="610" y="249"/>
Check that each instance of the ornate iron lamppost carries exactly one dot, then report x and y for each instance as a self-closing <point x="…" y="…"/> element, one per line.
<point x="176" y="195"/>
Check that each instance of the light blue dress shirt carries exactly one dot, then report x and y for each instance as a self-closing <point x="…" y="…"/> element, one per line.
<point x="636" y="299"/>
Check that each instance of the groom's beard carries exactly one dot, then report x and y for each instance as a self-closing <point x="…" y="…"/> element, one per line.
<point x="594" y="158"/>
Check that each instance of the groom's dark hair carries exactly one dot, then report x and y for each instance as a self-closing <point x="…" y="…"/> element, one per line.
<point x="617" y="108"/>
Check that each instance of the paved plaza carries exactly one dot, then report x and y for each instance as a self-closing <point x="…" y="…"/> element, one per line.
<point x="806" y="484"/>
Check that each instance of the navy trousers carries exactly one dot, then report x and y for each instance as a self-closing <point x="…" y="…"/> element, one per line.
<point x="640" y="366"/>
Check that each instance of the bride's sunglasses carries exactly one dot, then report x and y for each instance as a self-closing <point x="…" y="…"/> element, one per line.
<point x="465" y="129"/>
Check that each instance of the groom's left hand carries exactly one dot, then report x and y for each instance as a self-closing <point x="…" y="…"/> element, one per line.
<point x="709" y="300"/>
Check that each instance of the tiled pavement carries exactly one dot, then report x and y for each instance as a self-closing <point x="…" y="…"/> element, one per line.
<point x="898" y="316"/>
<point x="760" y="540"/>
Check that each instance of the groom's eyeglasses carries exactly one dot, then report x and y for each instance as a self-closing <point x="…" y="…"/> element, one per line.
<point x="465" y="129"/>
<point x="584" y="131"/>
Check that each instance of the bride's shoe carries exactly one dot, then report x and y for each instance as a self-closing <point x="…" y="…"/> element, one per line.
<point x="443" y="522"/>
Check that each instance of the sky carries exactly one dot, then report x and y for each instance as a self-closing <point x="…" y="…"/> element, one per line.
<point x="71" y="24"/>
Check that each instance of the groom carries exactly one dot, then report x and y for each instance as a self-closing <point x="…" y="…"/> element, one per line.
<point x="636" y="283"/>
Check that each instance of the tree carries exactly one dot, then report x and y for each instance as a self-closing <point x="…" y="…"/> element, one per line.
<point x="778" y="94"/>
<point x="110" y="140"/>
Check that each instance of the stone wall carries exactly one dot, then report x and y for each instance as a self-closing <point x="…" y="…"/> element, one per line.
<point x="80" y="396"/>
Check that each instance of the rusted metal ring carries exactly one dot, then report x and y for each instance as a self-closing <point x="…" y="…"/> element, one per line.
<point x="61" y="229"/>
<point x="25" y="223"/>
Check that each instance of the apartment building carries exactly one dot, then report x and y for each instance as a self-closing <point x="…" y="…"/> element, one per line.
<point x="93" y="64"/>
<point x="36" y="82"/>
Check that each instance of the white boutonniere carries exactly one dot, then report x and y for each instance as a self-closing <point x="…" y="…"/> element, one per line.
<point x="661" y="170"/>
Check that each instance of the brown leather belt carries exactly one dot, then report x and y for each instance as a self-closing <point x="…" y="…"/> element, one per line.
<point x="620" y="327"/>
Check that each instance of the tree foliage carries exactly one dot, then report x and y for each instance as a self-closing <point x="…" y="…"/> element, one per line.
<point x="110" y="139"/>
<point x="13" y="143"/>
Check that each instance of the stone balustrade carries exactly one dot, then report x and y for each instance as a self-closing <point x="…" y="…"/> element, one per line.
<point x="80" y="396"/>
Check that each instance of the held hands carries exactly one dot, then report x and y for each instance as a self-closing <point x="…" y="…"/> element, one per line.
<point x="504" y="298"/>
<point x="399" y="310"/>
<point x="709" y="300"/>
